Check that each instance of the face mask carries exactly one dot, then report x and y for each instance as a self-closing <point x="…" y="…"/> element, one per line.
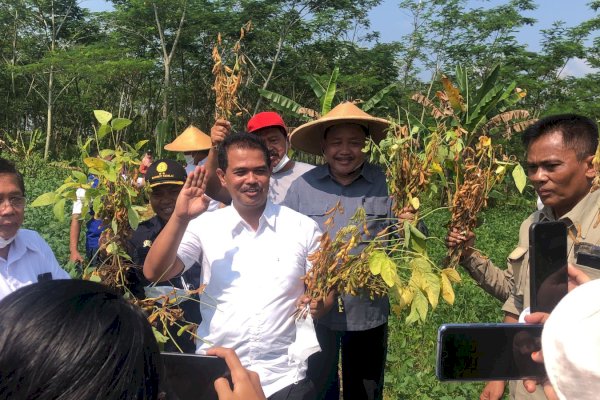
<point x="189" y="159"/>
<point x="6" y="242"/>
<point x="284" y="160"/>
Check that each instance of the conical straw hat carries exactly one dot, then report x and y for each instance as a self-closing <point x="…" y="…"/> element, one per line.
<point x="308" y="137"/>
<point x="192" y="139"/>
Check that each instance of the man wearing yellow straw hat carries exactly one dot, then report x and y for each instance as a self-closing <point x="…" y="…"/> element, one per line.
<point x="357" y="326"/>
<point x="195" y="146"/>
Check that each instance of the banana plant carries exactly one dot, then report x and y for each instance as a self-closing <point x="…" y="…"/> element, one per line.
<point x="324" y="93"/>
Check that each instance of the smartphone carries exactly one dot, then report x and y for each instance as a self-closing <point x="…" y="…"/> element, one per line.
<point x="547" y="265"/>
<point x="487" y="352"/>
<point x="191" y="376"/>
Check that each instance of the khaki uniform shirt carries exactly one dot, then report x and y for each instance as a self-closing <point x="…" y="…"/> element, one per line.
<point x="512" y="284"/>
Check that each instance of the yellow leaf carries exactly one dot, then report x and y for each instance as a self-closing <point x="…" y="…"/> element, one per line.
<point x="447" y="290"/>
<point x="96" y="163"/>
<point x="485" y="141"/>
<point x="500" y="170"/>
<point x="418" y="308"/>
<point x="381" y="263"/>
<point x="452" y="274"/>
<point x="454" y="96"/>
<point x="436" y="168"/>
<point x="406" y="296"/>
<point x="415" y="203"/>
<point x="431" y="286"/>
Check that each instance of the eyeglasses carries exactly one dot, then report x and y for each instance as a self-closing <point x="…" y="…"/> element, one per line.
<point x="15" y="202"/>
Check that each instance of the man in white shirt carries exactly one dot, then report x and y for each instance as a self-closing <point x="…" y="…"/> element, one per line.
<point x="254" y="254"/>
<point x="25" y="257"/>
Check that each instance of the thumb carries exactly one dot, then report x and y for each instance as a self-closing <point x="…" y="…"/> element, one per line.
<point x="223" y="389"/>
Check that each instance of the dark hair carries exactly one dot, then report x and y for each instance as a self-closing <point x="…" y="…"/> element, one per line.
<point x="578" y="132"/>
<point x="243" y="141"/>
<point x="6" y="167"/>
<point x="75" y="340"/>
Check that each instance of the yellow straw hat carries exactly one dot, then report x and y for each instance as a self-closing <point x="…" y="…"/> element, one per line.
<point x="192" y="139"/>
<point x="308" y="137"/>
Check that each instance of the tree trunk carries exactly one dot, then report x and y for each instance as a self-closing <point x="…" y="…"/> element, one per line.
<point x="49" y="101"/>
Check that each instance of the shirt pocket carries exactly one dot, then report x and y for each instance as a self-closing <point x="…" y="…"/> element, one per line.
<point x="516" y="261"/>
<point x="377" y="211"/>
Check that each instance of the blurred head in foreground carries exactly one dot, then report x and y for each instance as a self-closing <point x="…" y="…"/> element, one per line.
<point x="571" y="344"/>
<point x="73" y="339"/>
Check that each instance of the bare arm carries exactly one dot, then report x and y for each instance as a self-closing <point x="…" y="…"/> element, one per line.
<point x="162" y="262"/>
<point x="74" y="238"/>
<point x="214" y="189"/>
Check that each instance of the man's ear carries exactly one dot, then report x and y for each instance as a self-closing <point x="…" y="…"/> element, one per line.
<point x="221" y="175"/>
<point x="590" y="171"/>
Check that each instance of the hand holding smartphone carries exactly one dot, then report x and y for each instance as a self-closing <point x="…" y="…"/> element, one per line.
<point x="488" y="352"/>
<point x="548" y="276"/>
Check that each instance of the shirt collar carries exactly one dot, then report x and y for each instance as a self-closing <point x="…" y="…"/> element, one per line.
<point x="20" y="245"/>
<point x="237" y="224"/>
<point x="584" y="215"/>
<point x="367" y="172"/>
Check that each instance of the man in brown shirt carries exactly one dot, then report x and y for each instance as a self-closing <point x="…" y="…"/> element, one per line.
<point x="560" y="150"/>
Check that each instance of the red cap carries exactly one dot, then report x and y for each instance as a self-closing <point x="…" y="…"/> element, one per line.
<point x="266" y="119"/>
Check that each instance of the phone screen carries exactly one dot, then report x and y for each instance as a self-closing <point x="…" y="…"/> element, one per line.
<point x="191" y="376"/>
<point x="475" y="352"/>
<point x="547" y="265"/>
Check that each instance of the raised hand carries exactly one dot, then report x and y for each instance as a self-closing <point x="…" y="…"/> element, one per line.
<point x="191" y="201"/>
<point x="219" y="131"/>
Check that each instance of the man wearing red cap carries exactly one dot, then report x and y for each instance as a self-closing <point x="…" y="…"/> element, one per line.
<point x="270" y="127"/>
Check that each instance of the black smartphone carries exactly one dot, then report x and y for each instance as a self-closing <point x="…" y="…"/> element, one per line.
<point x="547" y="265"/>
<point x="191" y="376"/>
<point x="487" y="352"/>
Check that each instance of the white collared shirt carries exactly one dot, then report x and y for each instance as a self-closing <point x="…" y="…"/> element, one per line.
<point x="28" y="257"/>
<point x="253" y="281"/>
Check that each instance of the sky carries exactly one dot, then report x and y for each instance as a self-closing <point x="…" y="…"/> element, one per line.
<point x="392" y="23"/>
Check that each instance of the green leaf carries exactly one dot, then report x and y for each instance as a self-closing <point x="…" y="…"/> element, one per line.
<point x="415" y="240"/>
<point x="381" y="263"/>
<point x="134" y="219"/>
<point x="80" y="177"/>
<point x="114" y="225"/>
<point x="140" y="144"/>
<point x="44" y="200"/>
<point x="316" y="86"/>
<point x="519" y="177"/>
<point x="95" y="278"/>
<point x="282" y="102"/>
<point x="105" y="153"/>
<point x="120" y="123"/>
<point x="59" y="209"/>
<point x="160" y="338"/>
<point x="96" y="163"/>
<point x="377" y="97"/>
<point x="102" y="116"/>
<point x="97" y="204"/>
<point x="327" y="99"/>
<point x="103" y="131"/>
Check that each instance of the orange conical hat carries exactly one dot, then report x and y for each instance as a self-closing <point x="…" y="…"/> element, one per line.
<point x="192" y="139"/>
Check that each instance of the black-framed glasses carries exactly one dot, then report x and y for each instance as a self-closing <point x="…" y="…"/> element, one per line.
<point x="14" y="201"/>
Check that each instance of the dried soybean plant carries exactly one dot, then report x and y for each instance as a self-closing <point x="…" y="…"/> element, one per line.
<point x="340" y="263"/>
<point x="408" y="166"/>
<point x="228" y="79"/>
<point x="474" y="181"/>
